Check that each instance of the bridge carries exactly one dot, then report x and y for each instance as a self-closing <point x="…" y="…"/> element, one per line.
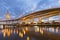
<point x="8" y="23"/>
<point x="40" y="15"/>
<point x="27" y="19"/>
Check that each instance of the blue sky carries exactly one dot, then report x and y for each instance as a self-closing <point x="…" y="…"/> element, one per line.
<point x="18" y="8"/>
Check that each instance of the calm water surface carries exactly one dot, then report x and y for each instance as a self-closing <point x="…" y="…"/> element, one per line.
<point x="30" y="33"/>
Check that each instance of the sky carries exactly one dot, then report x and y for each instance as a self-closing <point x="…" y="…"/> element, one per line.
<point x="19" y="8"/>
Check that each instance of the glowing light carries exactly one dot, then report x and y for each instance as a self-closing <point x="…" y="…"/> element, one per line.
<point x="36" y="28"/>
<point x="4" y="34"/>
<point x="24" y="31"/>
<point x="28" y="38"/>
<point x="20" y="34"/>
<point x="7" y="16"/>
<point x="41" y="31"/>
<point x="29" y="22"/>
<point x="17" y="31"/>
<point x="8" y="33"/>
<point x="1" y="26"/>
<point x="57" y="30"/>
<point x="26" y="28"/>
<point x="52" y="29"/>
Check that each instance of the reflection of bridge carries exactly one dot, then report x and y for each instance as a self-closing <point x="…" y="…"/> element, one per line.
<point x="30" y="18"/>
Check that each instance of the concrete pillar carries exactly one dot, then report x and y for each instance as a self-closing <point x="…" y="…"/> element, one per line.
<point x="40" y="19"/>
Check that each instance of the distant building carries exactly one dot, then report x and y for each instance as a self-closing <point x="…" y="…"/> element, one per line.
<point x="7" y="16"/>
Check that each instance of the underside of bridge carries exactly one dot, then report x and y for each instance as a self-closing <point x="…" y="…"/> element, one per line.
<point x="41" y="15"/>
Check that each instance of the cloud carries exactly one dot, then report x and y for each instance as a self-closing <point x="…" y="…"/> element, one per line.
<point x="23" y="7"/>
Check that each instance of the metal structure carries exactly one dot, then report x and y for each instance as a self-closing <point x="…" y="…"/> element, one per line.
<point x="40" y="15"/>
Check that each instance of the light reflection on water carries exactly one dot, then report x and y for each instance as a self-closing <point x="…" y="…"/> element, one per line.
<point x="57" y="30"/>
<point x="52" y="29"/>
<point x="6" y="32"/>
<point x="21" y="33"/>
<point x="41" y="31"/>
<point x="28" y="38"/>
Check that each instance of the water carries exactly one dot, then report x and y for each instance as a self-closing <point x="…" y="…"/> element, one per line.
<point x="30" y="33"/>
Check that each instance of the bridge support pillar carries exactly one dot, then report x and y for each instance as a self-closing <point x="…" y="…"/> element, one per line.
<point x="40" y="19"/>
<point x="24" y="21"/>
<point x="32" y="20"/>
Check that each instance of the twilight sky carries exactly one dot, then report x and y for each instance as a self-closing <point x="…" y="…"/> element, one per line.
<point x="18" y="8"/>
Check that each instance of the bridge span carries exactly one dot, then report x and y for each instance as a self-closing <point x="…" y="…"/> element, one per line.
<point x="40" y="15"/>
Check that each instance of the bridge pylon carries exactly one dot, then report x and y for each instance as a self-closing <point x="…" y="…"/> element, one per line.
<point x="40" y="19"/>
